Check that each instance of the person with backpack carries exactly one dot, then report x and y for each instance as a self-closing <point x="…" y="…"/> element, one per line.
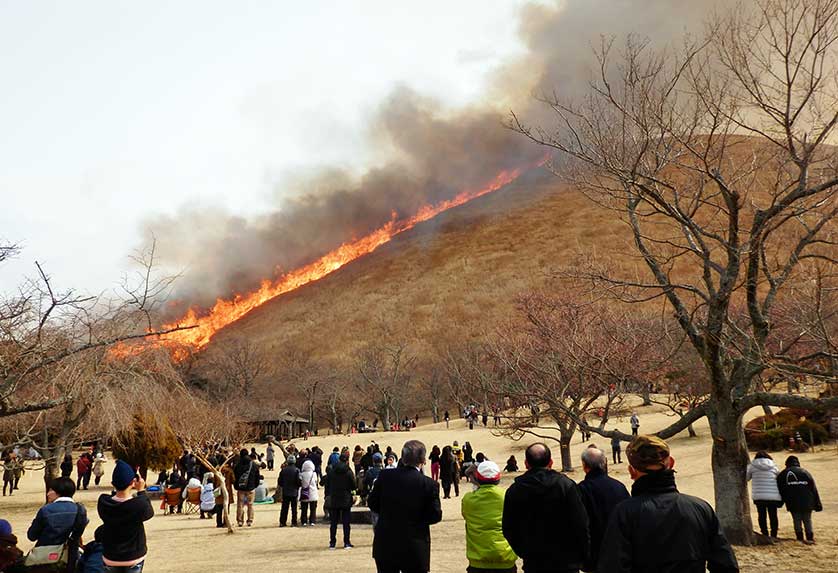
<point x="246" y="474"/>
<point x="61" y="522"/>
<point x="122" y="533"/>
<point x="799" y="493"/>
<point x="289" y="484"/>
<point x="762" y="473"/>
<point x="308" y="494"/>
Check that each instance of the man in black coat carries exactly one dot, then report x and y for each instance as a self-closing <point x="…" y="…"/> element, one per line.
<point x="289" y="483"/>
<point x="600" y="495"/>
<point x="799" y="493"/>
<point x="407" y="504"/>
<point x="544" y="519"/>
<point x="338" y="486"/>
<point x="660" y="530"/>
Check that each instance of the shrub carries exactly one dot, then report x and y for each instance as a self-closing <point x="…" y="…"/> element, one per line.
<point x="772" y="432"/>
<point x="148" y="443"/>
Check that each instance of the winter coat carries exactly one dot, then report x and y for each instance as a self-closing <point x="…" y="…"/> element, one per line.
<point x="798" y="490"/>
<point x="309" y="483"/>
<point x="289" y="481"/>
<point x="249" y="467"/>
<point x="545" y="521"/>
<point x="99" y="467"/>
<point x="55" y="521"/>
<point x="339" y="484"/>
<point x="66" y="468"/>
<point x="448" y="469"/>
<point x="83" y="465"/>
<point x="486" y="547"/>
<point x="600" y="495"/>
<point x="407" y="504"/>
<point x="762" y="473"/>
<point x="122" y="533"/>
<point x="10" y="554"/>
<point x="207" y="498"/>
<point x="269" y="455"/>
<point x="660" y="530"/>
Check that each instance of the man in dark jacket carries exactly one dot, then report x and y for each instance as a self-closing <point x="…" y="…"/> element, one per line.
<point x="246" y="473"/>
<point x="60" y="520"/>
<point x="407" y="504"/>
<point x="799" y="493"/>
<point x="289" y="483"/>
<point x="338" y="486"/>
<point x="122" y="533"/>
<point x="660" y="530"/>
<point x="544" y="519"/>
<point x="600" y="495"/>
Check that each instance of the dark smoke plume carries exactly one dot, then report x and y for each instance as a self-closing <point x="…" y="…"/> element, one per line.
<point x="438" y="154"/>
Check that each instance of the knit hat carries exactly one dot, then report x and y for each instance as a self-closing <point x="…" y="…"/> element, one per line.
<point x="487" y="472"/>
<point x="291" y="460"/>
<point x="123" y="475"/>
<point x="647" y="453"/>
<point x="5" y="527"/>
<point x="377" y="457"/>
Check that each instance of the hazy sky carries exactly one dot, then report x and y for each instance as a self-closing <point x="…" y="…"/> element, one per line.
<point x="114" y="111"/>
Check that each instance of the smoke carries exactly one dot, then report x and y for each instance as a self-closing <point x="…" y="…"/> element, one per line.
<point x="436" y="154"/>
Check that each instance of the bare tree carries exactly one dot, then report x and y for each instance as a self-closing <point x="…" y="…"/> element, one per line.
<point x="716" y="157"/>
<point x="384" y="380"/>
<point x="236" y="366"/>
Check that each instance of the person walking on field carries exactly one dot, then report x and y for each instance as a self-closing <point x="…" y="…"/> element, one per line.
<point x="798" y="490"/>
<point x="616" y="449"/>
<point x="407" y="504"/>
<point x="660" y="530"/>
<point x="84" y="466"/>
<point x="600" y="495"/>
<point x="434" y="459"/>
<point x="544" y="519"/>
<point x="762" y="473"/>
<point x="339" y="484"/>
<point x="122" y="533"/>
<point x="487" y="549"/>
<point x="246" y="478"/>
<point x="635" y="423"/>
<point x="447" y="418"/>
<point x="288" y="484"/>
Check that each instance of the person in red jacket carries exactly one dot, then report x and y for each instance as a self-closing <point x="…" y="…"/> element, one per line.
<point x="84" y="467"/>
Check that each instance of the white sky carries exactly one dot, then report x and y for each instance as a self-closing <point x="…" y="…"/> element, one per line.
<point x="113" y="111"/>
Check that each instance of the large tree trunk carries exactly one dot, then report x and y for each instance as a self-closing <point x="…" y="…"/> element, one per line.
<point x="729" y="463"/>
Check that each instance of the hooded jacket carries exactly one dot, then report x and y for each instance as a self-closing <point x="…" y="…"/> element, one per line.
<point x="339" y="484"/>
<point x="798" y="490"/>
<point x="122" y="533"/>
<point x="545" y="521"/>
<point x="762" y="473"/>
<point x="309" y="482"/>
<point x="486" y="547"/>
<point x="660" y="530"/>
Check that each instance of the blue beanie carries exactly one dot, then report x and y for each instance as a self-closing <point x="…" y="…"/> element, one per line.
<point x="377" y="457"/>
<point x="123" y="475"/>
<point x="5" y="527"/>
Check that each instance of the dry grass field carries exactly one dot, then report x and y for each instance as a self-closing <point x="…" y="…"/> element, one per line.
<point x="186" y="544"/>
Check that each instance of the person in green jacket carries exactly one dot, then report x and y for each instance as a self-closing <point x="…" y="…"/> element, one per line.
<point x="486" y="547"/>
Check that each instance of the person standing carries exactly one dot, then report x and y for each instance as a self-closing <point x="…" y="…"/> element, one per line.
<point x="289" y="484"/>
<point x="798" y="491"/>
<point x="448" y="472"/>
<point x="246" y="477"/>
<point x="8" y="473"/>
<point x="487" y="549"/>
<point x="407" y="504"/>
<point x="122" y="533"/>
<point x="269" y="456"/>
<point x="447" y="418"/>
<point x="60" y="521"/>
<point x="67" y="466"/>
<point x="635" y="423"/>
<point x="84" y="466"/>
<point x="434" y="459"/>
<point x="616" y="449"/>
<point x="308" y="494"/>
<point x="660" y="529"/>
<point x="544" y="519"/>
<point x="762" y="473"/>
<point x="98" y="467"/>
<point x="339" y="484"/>
<point x="600" y="495"/>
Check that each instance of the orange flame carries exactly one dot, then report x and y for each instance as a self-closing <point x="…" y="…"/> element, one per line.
<point x="225" y="312"/>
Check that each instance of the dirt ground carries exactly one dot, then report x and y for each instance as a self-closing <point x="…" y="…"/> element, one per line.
<point x="186" y="544"/>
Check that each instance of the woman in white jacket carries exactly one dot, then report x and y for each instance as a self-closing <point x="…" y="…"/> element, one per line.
<point x="308" y="494"/>
<point x="762" y="473"/>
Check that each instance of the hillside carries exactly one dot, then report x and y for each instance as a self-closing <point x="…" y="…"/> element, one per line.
<point x="457" y="273"/>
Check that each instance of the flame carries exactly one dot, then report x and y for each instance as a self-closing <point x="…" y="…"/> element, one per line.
<point x="225" y="312"/>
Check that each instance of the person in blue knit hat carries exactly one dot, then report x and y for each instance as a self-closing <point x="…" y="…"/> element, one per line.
<point x="122" y="533"/>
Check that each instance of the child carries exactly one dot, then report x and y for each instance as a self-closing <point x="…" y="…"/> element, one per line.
<point x="511" y="465"/>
